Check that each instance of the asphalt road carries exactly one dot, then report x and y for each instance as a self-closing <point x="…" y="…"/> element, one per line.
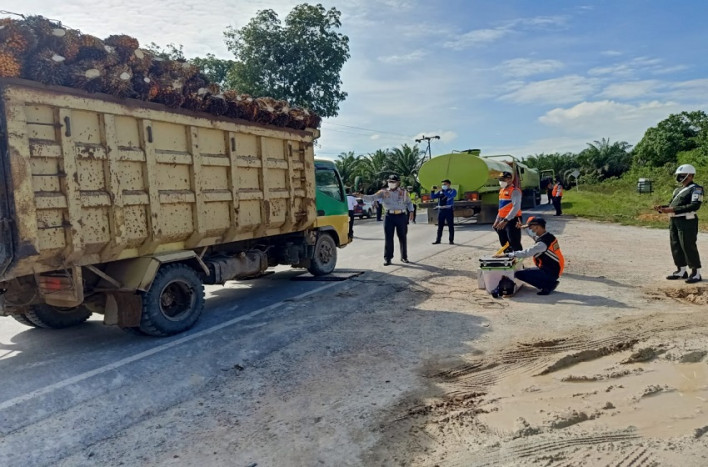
<point x="65" y="389"/>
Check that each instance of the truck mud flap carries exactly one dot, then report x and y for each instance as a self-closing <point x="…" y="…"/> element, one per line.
<point x="7" y="236"/>
<point x="332" y="277"/>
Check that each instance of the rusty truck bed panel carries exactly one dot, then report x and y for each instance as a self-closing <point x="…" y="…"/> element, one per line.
<point x="93" y="179"/>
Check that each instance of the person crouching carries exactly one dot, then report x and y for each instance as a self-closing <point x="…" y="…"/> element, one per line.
<point x="546" y="255"/>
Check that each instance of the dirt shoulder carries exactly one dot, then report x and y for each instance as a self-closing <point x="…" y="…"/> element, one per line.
<point x="419" y="367"/>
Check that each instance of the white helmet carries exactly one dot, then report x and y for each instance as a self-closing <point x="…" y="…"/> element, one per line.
<point x="686" y="169"/>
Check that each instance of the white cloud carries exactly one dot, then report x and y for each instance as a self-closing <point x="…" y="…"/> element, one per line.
<point x="412" y="57"/>
<point x="487" y="35"/>
<point x="527" y="67"/>
<point x="611" y="53"/>
<point x="563" y="90"/>
<point x="635" y="67"/>
<point x="631" y="89"/>
<point x="476" y="37"/>
<point x="607" y="118"/>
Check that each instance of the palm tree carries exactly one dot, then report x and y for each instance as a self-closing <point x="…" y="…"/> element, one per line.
<point x="374" y="169"/>
<point x="348" y="165"/>
<point x="406" y="161"/>
<point x="606" y="159"/>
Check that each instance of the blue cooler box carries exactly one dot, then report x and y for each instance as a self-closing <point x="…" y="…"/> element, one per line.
<point x="492" y="269"/>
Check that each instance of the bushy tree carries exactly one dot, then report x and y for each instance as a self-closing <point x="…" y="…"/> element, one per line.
<point x="299" y="61"/>
<point x="679" y="132"/>
<point x="605" y="159"/>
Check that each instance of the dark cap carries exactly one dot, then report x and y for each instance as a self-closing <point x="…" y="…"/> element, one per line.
<point x="446" y="181"/>
<point x="506" y="175"/>
<point x="538" y="220"/>
<point x="394" y="178"/>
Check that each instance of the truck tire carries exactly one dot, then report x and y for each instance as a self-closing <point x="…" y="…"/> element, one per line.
<point x="325" y="257"/>
<point x="368" y="214"/>
<point x="23" y="319"/>
<point x="174" y="302"/>
<point x="51" y="317"/>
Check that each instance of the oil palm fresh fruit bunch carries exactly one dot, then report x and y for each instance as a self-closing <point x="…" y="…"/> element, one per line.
<point x="265" y="110"/>
<point x="216" y="104"/>
<point x="119" y="81"/>
<point x="298" y="118"/>
<point x="169" y="92"/>
<point x="67" y="44"/>
<point x="10" y="65"/>
<point x="140" y="61"/>
<point x="281" y="116"/>
<point x="16" y="37"/>
<point x="124" y="45"/>
<point x="144" y="86"/>
<point x="195" y="83"/>
<point x="46" y="66"/>
<point x="313" y="120"/>
<point x="88" y="75"/>
<point x="42" y="28"/>
<point x="92" y="48"/>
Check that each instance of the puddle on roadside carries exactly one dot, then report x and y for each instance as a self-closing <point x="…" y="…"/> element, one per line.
<point x="661" y="398"/>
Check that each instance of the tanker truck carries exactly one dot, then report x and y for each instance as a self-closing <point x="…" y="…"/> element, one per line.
<point x="475" y="179"/>
<point x="127" y="208"/>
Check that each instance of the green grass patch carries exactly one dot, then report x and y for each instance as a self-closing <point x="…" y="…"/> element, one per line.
<point x="613" y="202"/>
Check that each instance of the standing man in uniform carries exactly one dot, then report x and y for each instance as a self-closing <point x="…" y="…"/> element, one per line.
<point x="509" y="213"/>
<point x="351" y="203"/>
<point x="546" y="255"/>
<point x="683" y="227"/>
<point x="415" y="199"/>
<point x="556" y="195"/>
<point x="398" y="206"/>
<point x="446" y="213"/>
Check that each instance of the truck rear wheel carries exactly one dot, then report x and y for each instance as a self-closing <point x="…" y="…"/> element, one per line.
<point x="23" y="319"/>
<point x="174" y="302"/>
<point x="51" y="317"/>
<point x="325" y="258"/>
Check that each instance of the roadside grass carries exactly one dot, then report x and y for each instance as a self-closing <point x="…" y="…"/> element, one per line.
<point x="618" y="201"/>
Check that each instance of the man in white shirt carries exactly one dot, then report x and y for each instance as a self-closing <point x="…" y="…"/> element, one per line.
<point x="351" y="203"/>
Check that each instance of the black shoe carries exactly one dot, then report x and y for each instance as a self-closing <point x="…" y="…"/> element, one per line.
<point x="451" y="242"/>
<point x="677" y="275"/>
<point x="405" y="260"/>
<point x="555" y="285"/>
<point x="543" y="292"/>
<point x="387" y="262"/>
<point x="436" y="242"/>
<point x="694" y="277"/>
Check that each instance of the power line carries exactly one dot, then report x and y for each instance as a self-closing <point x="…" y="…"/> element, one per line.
<point x="368" y="129"/>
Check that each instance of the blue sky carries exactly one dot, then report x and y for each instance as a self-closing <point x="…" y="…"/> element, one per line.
<point x="519" y="77"/>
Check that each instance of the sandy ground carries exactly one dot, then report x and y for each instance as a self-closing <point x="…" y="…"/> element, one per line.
<point x="422" y="368"/>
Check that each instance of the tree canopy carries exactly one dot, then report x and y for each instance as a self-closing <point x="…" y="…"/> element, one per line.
<point x="372" y="169"/>
<point x="299" y="61"/>
<point x="661" y="144"/>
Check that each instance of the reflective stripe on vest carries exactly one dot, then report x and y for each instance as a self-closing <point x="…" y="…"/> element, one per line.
<point x="557" y="190"/>
<point x="554" y="254"/>
<point x="505" y="201"/>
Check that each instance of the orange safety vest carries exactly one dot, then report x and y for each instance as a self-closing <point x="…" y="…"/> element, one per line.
<point x="505" y="201"/>
<point x="552" y="259"/>
<point x="557" y="190"/>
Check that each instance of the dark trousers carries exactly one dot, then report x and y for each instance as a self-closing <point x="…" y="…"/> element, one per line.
<point x="549" y="195"/>
<point x="537" y="278"/>
<point x="683" y="234"/>
<point x="512" y="235"/>
<point x="379" y="209"/>
<point x="397" y="223"/>
<point x="557" y="205"/>
<point x="446" y="216"/>
<point x="415" y="212"/>
<point x="351" y="224"/>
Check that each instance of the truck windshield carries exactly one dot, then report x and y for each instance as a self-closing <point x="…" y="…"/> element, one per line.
<point x="328" y="183"/>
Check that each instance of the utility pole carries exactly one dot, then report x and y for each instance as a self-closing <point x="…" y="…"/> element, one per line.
<point x="427" y="138"/>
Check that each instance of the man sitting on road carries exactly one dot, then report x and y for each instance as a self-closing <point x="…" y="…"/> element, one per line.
<point x="546" y="255"/>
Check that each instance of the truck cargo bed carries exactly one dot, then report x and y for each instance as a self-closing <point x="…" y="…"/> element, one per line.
<point x="89" y="178"/>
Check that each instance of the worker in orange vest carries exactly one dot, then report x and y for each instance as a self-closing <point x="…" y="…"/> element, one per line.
<point x="509" y="212"/>
<point x="556" y="195"/>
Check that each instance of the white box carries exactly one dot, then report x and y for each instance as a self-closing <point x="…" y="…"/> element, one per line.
<point x="491" y="271"/>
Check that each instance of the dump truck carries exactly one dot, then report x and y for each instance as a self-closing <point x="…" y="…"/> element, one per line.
<point x="475" y="178"/>
<point x="128" y="208"/>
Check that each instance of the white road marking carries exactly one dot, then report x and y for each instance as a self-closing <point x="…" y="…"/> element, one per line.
<point x="110" y="367"/>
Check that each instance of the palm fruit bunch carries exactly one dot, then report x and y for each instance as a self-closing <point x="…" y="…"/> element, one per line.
<point x="43" y="50"/>
<point x="46" y="66"/>
<point x="119" y="81"/>
<point x="125" y="46"/>
<point x="144" y="86"/>
<point x="88" y="75"/>
<point x="16" y="37"/>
